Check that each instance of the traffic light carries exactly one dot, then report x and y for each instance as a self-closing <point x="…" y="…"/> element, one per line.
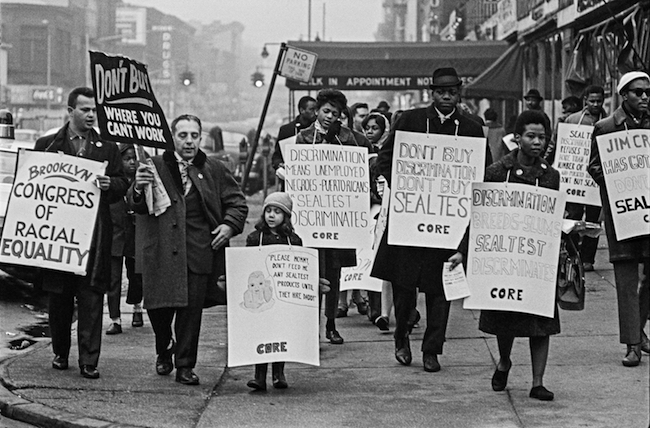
<point x="187" y="78"/>
<point x="258" y="79"/>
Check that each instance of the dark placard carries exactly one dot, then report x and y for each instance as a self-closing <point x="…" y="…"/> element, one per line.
<point x="127" y="109"/>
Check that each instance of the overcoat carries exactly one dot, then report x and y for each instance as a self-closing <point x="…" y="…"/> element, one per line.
<point x="630" y="249"/>
<point x="99" y="261"/>
<point x="418" y="266"/>
<point x="161" y="250"/>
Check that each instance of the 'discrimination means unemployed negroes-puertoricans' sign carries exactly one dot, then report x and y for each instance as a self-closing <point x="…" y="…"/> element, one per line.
<point x="127" y="109"/>
<point x="272" y="304"/>
<point x="330" y="189"/>
<point x="571" y="160"/>
<point x="514" y="245"/>
<point x="430" y="188"/>
<point x="52" y="212"/>
<point x="625" y="159"/>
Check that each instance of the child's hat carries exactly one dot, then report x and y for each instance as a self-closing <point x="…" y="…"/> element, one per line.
<point x="281" y="200"/>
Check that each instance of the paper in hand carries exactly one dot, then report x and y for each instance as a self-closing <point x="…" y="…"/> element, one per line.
<point x="454" y="282"/>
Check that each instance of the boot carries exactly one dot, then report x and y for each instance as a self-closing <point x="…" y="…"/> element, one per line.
<point x="279" y="381"/>
<point x="633" y="356"/>
<point x="259" y="383"/>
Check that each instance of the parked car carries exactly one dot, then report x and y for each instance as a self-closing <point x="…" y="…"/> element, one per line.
<point x="234" y="151"/>
<point x="26" y="135"/>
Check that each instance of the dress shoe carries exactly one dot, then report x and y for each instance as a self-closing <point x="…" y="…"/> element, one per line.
<point x="430" y="362"/>
<point x="256" y="384"/>
<point x="334" y="337"/>
<point x="588" y="267"/>
<point x="137" y="320"/>
<point x="114" y="328"/>
<point x="382" y="323"/>
<point x="164" y="364"/>
<point x="633" y="356"/>
<point x="541" y="393"/>
<point x="500" y="378"/>
<point x="414" y="318"/>
<point x="645" y="344"/>
<point x="362" y="307"/>
<point x="341" y="313"/>
<point x="403" y="352"/>
<point x="60" y="363"/>
<point x="89" y="372"/>
<point x="186" y="376"/>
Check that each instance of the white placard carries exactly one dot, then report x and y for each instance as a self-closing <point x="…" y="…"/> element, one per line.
<point x="52" y="212"/>
<point x="272" y="294"/>
<point x="430" y="186"/>
<point x="298" y="64"/>
<point x="514" y="245"/>
<point x="625" y="157"/>
<point x="571" y="159"/>
<point x="454" y="282"/>
<point x="330" y="188"/>
<point x="283" y="143"/>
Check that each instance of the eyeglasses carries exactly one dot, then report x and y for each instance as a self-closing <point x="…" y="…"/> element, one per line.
<point x="640" y="91"/>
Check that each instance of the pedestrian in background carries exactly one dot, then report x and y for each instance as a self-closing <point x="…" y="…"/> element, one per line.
<point x="123" y="253"/>
<point x="526" y="166"/>
<point x="182" y="252"/>
<point x="359" y="112"/>
<point x="78" y="138"/>
<point x="632" y="290"/>
<point x="495" y="135"/>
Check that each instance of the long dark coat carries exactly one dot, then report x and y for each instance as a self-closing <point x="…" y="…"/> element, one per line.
<point x="418" y="266"/>
<point x="161" y="250"/>
<point x="515" y="323"/>
<point x="630" y="249"/>
<point x="99" y="261"/>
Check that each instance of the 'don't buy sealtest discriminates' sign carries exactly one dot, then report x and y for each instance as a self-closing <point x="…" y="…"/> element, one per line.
<point x="272" y="295"/>
<point x="330" y="188"/>
<point x="52" y="211"/>
<point x="514" y="244"/>
<point x="571" y="159"/>
<point x="430" y="191"/>
<point x="625" y="159"/>
<point x="127" y="109"/>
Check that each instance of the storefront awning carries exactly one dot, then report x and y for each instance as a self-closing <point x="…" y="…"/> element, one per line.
<point x="501" y="80"/>
<point x="393" y="66"/>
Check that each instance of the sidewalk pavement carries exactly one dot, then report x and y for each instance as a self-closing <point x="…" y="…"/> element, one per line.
<point x="358" y="383"/>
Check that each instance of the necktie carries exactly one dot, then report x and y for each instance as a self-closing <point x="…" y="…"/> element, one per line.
<point x="185" y="179"/>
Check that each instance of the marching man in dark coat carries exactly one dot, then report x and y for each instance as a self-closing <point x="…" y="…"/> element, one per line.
<point x="413" y="268"/>
<point x="183" y="249"/>
<point x="78" y="138"/>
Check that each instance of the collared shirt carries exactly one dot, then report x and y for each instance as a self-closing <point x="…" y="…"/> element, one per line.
<point x="319" y="128"/>
<point x="79" y="142"/>
<point x="444" y="117"/>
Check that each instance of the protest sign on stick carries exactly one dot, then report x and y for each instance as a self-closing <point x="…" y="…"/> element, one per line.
<point x="514" y="245"/>
<point x="625" y="157"/>
<point x="430" y="186"/>
<point x="571" y="159"/>
<point x="272" y="295"/>
<point x="52" y="211"/>
<point x="330" y="189"/>
<point x="127" y="109"/>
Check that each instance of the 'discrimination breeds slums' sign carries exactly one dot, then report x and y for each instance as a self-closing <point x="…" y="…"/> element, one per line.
<point x="52" y="211"/>
<point x="127" y="110"/>
<point x="514" y="245"/>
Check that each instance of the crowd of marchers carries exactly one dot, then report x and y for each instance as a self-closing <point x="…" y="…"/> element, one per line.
<point x="174" y="259"/>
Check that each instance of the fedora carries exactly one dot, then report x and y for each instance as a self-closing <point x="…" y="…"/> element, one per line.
<point x="533" y="93"/>
<point x="445" y="77"/>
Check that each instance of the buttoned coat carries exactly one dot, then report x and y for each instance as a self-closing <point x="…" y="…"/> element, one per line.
<point x="161" y="250"/>
<point x="99" y="259"/>
<point x="630" y="249"/>
<point x="418" y="266"/>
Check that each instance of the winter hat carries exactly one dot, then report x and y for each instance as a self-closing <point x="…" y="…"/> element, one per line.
<point x="627" y="78"/>
<point x="124" y="147"/>
<point x="280" y="200"/>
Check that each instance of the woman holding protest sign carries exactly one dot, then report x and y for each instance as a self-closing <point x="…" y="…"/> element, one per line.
<point x="327" y="129"/>
<point x="523" y="165"/>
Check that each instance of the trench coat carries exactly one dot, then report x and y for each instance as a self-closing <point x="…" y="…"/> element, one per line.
<point x="418" y="266"/>
<point x="161" y="250"/>
<point x="637" y="248"/>
<point x="99" y="260"/>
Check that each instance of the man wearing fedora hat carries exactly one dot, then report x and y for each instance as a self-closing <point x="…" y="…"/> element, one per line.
<point x="632" y="290"/>
<point x="413" y="268"/>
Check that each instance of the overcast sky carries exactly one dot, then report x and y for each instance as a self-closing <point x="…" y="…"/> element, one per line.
<point x="274" y="21"/>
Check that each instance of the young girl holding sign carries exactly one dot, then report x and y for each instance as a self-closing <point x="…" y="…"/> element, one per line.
<point x="523" y="165"/>
<point x="274" y="228"/>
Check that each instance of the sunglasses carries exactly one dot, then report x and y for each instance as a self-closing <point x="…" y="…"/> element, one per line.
<point x="640" y="91"/>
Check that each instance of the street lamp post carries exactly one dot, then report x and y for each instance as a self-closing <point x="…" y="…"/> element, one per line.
<point x="49" y="66"/>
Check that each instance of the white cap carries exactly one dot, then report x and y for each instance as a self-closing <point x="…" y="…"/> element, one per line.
<point x="627" y="78"/>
